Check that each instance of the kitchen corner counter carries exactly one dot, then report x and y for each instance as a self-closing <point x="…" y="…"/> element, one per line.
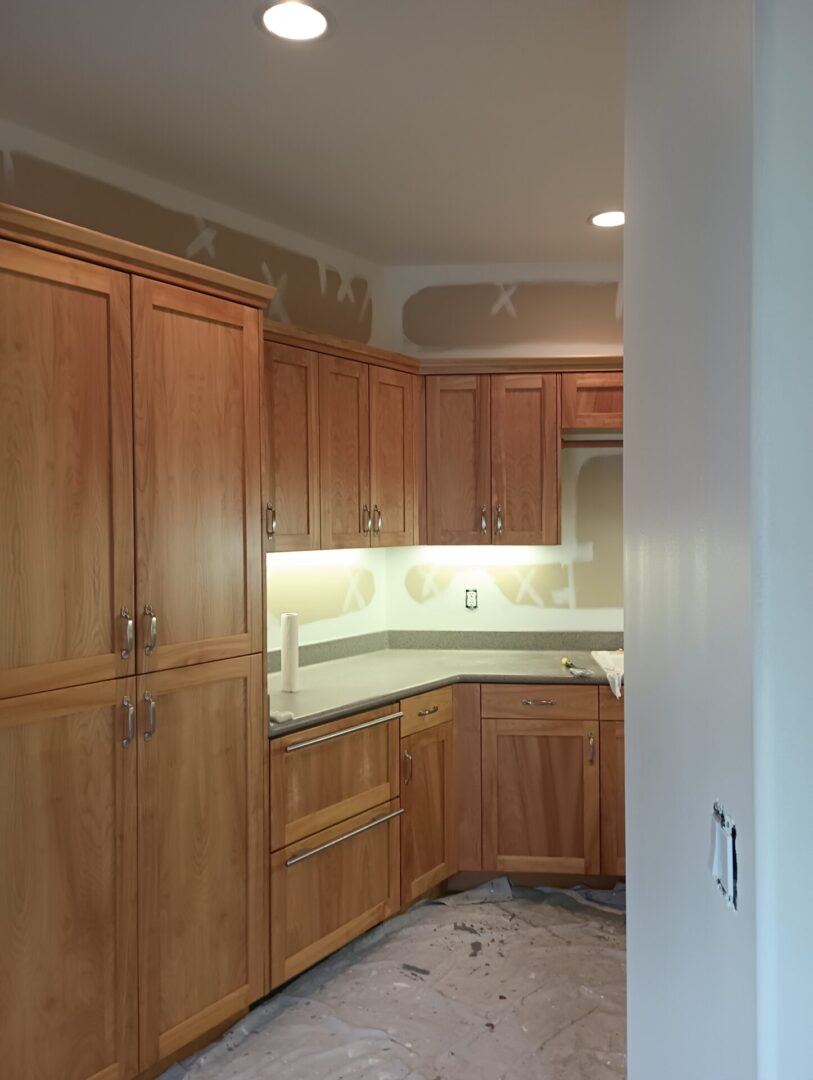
<point x="338" y="688"/>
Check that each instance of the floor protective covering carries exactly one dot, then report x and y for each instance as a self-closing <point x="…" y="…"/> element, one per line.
<point x="493" y="984"/>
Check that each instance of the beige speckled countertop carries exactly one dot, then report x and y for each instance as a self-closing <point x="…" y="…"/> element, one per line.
<point x="338" y="688"/>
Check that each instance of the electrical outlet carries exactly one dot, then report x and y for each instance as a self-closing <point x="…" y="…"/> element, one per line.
<point x="471" y="599"/>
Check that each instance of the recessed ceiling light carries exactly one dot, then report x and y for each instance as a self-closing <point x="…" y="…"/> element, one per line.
<point x="608" y="219"/>
<point x="294" y="21"/>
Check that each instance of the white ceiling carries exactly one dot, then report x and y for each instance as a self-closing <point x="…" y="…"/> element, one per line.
<point x="419" y="131"/>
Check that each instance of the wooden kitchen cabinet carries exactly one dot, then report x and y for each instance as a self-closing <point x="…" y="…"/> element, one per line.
<point x="525" y="449"/>
<point x="613" y="814"/>
<point x="201" y="919"/>
<point x="593" y="400"/>
<point x="541" y="795"/>
<point x="458" y="459"/>
<point x="68" y="915"/>
<point x="392" y="457"/>
<point x="429" y="824"/>
<point x="330" y="888"/>
<point x="66" y="527"/>
<point x="344" y="438"/>
<point x="197" y="475"/>
<point x="291" y="448"/>
<point x="322" y="776"/>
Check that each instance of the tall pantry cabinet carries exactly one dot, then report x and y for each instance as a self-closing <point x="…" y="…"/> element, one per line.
<point x="131" y="674"/>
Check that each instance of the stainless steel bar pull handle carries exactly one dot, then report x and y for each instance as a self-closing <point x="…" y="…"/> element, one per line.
<point x="499" y="519"/>
<point x="340" y="839"/>
<point x="129" y="632"/>
<point x="483" y="520"/>
<point x="344" y="731"/>
<point x="538" y="701"/>
<point x="410" y="764"/>
<point x="150" y="702"/>
<point x="130" y="735"/>
<point x="428" y="712"/>
<point x="152" y="640"/>
<point x="591" y="749"/>
<point x="270" y="521"/>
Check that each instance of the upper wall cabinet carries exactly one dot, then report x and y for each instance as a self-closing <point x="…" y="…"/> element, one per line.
<point x="291" y="445"/>
<point x="593" y="400"/>
<point x="197" y="475"/>
<point x="344" y="436"/>
<point x="66" y="530"/>
<point x="492" y="459"/>
<point x="458" y="459"/>
<point x="525" y="448"/>
<point x="392" y="456"/>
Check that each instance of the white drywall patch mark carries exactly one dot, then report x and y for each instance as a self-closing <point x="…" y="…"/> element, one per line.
<point x="504" y="301"/>
<point x="204" y="241"/>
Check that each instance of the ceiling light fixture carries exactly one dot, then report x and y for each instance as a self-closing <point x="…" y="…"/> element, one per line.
<point x="608" y="219"/>
<point x="294" y="21"/>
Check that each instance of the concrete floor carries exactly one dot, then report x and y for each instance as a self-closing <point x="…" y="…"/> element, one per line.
<point x="526" y="986"/>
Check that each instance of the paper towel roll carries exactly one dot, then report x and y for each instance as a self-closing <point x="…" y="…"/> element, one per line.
<point x="290" y="651"/>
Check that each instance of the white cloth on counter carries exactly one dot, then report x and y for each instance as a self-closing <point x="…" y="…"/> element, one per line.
<point x="613" y="665"/>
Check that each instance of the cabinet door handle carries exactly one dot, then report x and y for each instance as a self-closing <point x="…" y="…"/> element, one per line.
<point x="130" y="731"/>
<point x="340" y="839"/>
<point x="534" y="702"/>
<point x="499" y="520"/>
<point x="150" y="702"/>
<point x="152" y="641"/>
<point x="377" y="520"/>
<point x="366" y="519"/>
<point x="591" y="749"/>
<point x="129" y="632"/>
<point x="270" y="521"/>
<point x="428" y="712"/>
<point x="345" y="731"/>
<point x="483" y="520"/>
<point x="410" y="764"/>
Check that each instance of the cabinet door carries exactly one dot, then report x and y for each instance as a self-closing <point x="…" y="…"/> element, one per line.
<point x="458" y="459"/>
<point x="525" y="448"/>
<point x="344" y="448"/>
<point x="613" y="846"/>
<point x="197" y="470"/>
<point x="428" y="827"/>
<point x="541" y="796"/>
<point x="593" y="400"/>
<point x="200" y="851"/>
<point x="392" y="456"/>
<point x="66" y="482"/>
<point x="291" y="445"/>
<point x="68" y="929"/>
<point x="329" y="889"/>
<point x="327" y="774"/>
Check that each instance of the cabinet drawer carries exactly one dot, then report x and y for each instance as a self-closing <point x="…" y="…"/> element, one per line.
<point x="593" y="400"/>
<point x="333" y="887"/>
<point x="427" y="710"/>
<point x="547" y="702"/>
<point x="325" y="775"/>
<point x="610" y="707"/>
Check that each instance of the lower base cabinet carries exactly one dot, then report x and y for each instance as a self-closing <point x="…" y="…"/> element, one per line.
<point x="333" y="886"/>
<point x="541" y="806"/>
<point x="613" y="854"/>
<point x="429" y="825"/>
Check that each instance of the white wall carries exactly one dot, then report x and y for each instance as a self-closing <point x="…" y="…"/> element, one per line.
<point x="783" y="531"/>
<point x="687" y="285"/>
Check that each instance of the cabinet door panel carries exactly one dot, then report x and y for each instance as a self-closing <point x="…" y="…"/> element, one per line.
<point x="613" y="844"/>
<point x="201" y="938"/>
<point x="593" y="400"/>
<point x="348" y="884"/>
<point x="541" y="796"/>
<point x="291" y="442"/>
<point x="329" y="773"/>
<point x="392" y="456"/>
<point x="458" y="459"/>
<point x="429" y="825"/>
<point x="344" y="438"/>
<point x="525" y="448"/>
<point x="68" y="929"/>
<point x="197" y="443"/>
<point x="66" y="529"/>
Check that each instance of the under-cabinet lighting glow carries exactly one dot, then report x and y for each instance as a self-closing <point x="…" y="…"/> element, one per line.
<point x="294" y="21"/>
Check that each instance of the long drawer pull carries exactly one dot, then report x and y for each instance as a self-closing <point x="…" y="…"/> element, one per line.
<point x="345" y="731"/>
<point x="340" y="839"/>
<point x="430" y="711"/>
<point x="539" y="701"/>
